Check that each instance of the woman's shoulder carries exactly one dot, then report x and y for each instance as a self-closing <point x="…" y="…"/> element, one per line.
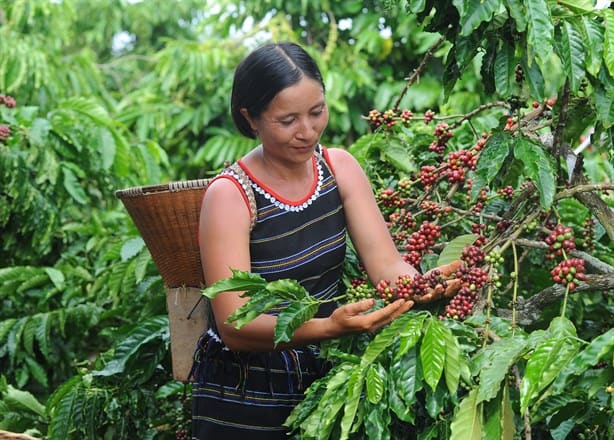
<point x="226" y="191"/>
<point x="340" y="161"/>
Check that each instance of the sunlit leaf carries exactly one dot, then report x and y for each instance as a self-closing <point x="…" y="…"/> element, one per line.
<point x="433" y="352"/>
<point x="467" y="422"/>
<point x="538" y="168"/>
<point x="454" y="248"/>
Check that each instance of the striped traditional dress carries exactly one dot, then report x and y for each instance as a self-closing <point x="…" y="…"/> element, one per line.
<point x="245" y="395"/>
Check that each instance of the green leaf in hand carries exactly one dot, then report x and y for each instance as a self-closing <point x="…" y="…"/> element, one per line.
<point x="238" y="282"/>
<point x="291" y="318"/>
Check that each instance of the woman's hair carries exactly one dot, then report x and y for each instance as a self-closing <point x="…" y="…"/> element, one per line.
<point x="263" y="74"/>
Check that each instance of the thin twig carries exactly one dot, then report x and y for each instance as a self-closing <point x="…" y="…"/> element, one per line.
<point x="418" y="71"/>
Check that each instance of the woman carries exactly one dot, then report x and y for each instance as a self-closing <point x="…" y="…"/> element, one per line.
<point x="307" y="198"/>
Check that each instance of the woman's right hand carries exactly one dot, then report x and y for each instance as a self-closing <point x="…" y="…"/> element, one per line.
<point x="356" y="318"/>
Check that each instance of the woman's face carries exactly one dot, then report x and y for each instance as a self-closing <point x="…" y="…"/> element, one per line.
<point x="292" y="124"/>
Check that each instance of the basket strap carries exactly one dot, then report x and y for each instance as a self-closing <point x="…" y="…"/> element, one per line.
<point x="249" y="192"/>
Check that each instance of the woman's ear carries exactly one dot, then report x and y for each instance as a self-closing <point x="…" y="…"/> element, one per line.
<point x="249" y="120"/>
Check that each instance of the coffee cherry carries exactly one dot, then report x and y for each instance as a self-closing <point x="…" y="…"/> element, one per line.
<point x="428" y="116"/>
<point x="375" y="118"/>
<point x="430" y="208"/>
<point x="5" y="133"/>
<point x="408" y="287"/>
<point x="519" y="73"/>
<point x="494" y="258"/>
<point x="478" y="229"/>
<point x="406" y="116"/>
<point x="8" y="101"/>
<point x="386" y="291"/>
<point x="472" y="277"/>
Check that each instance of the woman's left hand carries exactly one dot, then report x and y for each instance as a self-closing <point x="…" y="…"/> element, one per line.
<point x="440" y="291"/>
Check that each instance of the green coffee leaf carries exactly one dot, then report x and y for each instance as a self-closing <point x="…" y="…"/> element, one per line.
<point x="540" y="30"/>
<point x="505" y="63"/>
<point x="291" y="290"/>
<point x="475" y="13"/>
<point x="498" y="359"/>
<point x="599" y="348"/>
<point x="467" y="422"/>
<point x="239" y="281"/>
<point x="406" y="375"/>
<point x="320" y="422"/>
<point x="410" y="335"/>
<point x="259" y="302"/>
<point x="544" y="364"/>
<point x="499" y="417"/>
<point x="453" y="361"/>
<point x="433" y="352"/>
<point x="291" y="318"/>
<point x="355" y="387"/>
<point x="490" y="161"/>
<point x="454" y="248"/>
<point x="384" y="339"/>
<point x="376" y="376"/>
<point x="571" y="51"/>
<point x="537" y="168"/>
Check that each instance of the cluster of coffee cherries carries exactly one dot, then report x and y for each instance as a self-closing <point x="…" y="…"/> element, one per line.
<point x="458" y="163"/>
<point x="560" y="241"/>
<point x="428" y="175"/>
<point x="409" y="287"/>
<point x="5" y="130"/>
<point x="8" y="101"/>
<point x="358" y="290"/>
<point x="389" y="198"/>
<point x="507" y="192"/>
<point x="5" y="133"/>
<point x="442" y="135"/>
<point x="588" y="235"/>
<point x="181" y="434"/>
<point x="389" y="118"/>
<point x="472" y="278"/>
<point x="479" y="229"/>
<point x="420" y="242"/>
<point x="569" y="273"/>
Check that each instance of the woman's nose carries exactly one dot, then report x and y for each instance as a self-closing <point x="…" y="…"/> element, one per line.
<point x="305" y="129"/>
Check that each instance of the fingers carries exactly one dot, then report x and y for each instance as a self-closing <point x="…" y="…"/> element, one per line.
<point x="386" y="315"/>
<point x="452" y="287"/>
<point x="448" y="269"/>
<point x="356" y="308"/>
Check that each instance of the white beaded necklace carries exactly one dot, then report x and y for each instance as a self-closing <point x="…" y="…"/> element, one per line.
<point x="286" y="206"/>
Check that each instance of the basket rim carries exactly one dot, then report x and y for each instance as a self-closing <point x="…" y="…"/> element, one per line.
<point x="174" y="186"/>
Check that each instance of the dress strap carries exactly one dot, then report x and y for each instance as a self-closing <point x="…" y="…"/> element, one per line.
<point x="249" y="192"/>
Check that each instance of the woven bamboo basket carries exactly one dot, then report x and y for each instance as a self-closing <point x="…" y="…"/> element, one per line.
<point x="166" y="216"/>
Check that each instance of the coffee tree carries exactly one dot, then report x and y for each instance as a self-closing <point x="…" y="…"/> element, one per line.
<point x="513" y="189"/>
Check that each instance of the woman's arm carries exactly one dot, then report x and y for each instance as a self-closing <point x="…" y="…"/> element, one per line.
<point x="224" y="245"/>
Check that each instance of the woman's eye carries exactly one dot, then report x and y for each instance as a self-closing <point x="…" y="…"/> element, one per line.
<point x="287" y="121"/>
